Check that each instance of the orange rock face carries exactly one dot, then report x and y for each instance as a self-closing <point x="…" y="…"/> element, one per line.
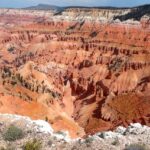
<point x="80" y="75"/>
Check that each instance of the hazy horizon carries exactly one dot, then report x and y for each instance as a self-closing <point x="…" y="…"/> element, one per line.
<point x="88" y="3"/>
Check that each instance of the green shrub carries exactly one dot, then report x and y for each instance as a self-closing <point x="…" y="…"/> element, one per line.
<point x="46" y="119"/>
<point x="11" y="49"/>
<point x="89" y="140"/>
<point x="115" y="142"/>
<point x="32" y="145"/>
<point x="136" y="147"/>
<point x="13" y="133"/>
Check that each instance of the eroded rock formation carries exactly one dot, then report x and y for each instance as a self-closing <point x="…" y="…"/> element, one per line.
<point x="82" y="70"/>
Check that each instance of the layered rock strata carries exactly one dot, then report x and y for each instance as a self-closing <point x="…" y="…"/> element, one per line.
<point x="82" y="70"/>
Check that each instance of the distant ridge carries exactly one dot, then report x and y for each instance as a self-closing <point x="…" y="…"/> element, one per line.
<point x="44" y="7"/>
<point x="135" y="12"/>
<point x="54" y="7"/>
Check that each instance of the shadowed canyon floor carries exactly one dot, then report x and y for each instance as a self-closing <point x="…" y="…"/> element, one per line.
<point x="82" y="70"/>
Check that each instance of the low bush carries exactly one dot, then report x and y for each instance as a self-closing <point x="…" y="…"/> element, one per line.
<point x="13" y="133"/>
<point x="115" y="142"/>
<point x="33" y="145"/>
<point x="11" y="49"/>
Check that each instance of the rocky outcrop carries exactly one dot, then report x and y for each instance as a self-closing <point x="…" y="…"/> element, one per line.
<point x="136" y="13"/>
<point x="80" y="69"/>
<point x="120" y="139"/>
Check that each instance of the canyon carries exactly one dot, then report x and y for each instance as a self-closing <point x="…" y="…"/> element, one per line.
<point x="84" y="70"/>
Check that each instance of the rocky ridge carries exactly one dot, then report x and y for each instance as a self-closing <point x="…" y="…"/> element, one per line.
<point x="42" y="131"/>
